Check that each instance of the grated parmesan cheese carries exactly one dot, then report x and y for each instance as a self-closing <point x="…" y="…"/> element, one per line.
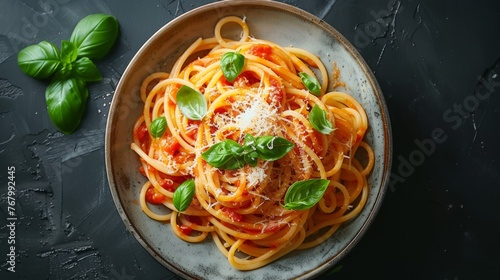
<point x="256" y="175"/>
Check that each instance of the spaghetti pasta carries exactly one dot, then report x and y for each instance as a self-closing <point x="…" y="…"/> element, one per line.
<point x="242" y="208"/>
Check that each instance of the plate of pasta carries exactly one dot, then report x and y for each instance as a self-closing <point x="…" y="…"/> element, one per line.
<point x="251" y="137"/>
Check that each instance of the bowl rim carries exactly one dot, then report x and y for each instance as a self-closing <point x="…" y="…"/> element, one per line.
<point x="387" y="158"/>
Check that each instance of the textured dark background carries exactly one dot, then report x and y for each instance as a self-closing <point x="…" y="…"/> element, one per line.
<point x="437" y="62"/>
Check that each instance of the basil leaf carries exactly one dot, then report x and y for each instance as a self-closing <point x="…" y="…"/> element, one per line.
<point x="158" y="127"/>
<point x="318" y="120"/>
<point x="250" y="154"/>
<point x="232" y="64"/>
<point x="64" y="72"/>
<point x="40" y="60"/>
<point x="305" y="194"/>
<point x="66" y="100"/>
<point x="86" y="70"/>
<point x="183" y="195"/>
<point x="94" y="35"/>
<point x="272" y="147"/>
<point x="310" y="83"/>
<point x="249" y="141"/>
<point x="68" y="52"/>
<point x="227" y="154"/>
<point x="251" y="158"/>
<point x="191" y="102"/>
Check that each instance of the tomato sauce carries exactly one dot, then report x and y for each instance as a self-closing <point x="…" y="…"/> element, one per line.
<point x="185" y="229"/>
<point x="142" y="134"/>
<point x="154" y="197"/>
<point x="261" y="50"/>
<point x="231" y="213"/>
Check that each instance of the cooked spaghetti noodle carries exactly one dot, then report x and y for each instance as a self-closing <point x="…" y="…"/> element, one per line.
<point x="242" y="210"/>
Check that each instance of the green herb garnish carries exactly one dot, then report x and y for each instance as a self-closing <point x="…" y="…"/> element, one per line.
<point x="158" y="127"/>
<point x="70" y="68"/>
<point x="305" y="194"/>
<point x="191" y="102"/>
<point x="232" y="64"/>
<point x="319" y="121"/>
<point x="230" y="155"/>
<point x="310" y="83"/>
<point x="183" y="195"/>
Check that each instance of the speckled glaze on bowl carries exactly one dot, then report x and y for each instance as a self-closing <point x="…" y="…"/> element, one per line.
<point x="287" y="26"/>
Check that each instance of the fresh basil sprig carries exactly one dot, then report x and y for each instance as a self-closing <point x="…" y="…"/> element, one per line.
<point x="230" y="155"/>
<point x="191" y="102"/>
<point x="305" y="194"/>
<point x="318" y="120"/>
<point x="158" y="127"/>
<point x="310" y="83"/>
<point x="70" y="68"/>
<point x="232" y="64"/>
<point x="183" y="195"/>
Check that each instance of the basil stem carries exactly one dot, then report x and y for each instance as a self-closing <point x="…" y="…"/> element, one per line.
<point x="183" y="195"/>
<point x="191" y="102"/>
<point x="39" y="61"/>
<point x="232" y="64"/>
<point x="158" y="127"/>
<point x="66" y="101"/>
<point x="94" y="35"/>
<point x="319" y="121"/>
<point x="305" y="194"/>
<point x="310" y="83"/>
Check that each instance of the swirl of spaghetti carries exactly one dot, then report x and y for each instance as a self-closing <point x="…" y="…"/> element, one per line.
<point x="241" y="209"/>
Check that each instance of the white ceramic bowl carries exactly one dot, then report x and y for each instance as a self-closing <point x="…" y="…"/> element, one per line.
<point x="279" y="23"/>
